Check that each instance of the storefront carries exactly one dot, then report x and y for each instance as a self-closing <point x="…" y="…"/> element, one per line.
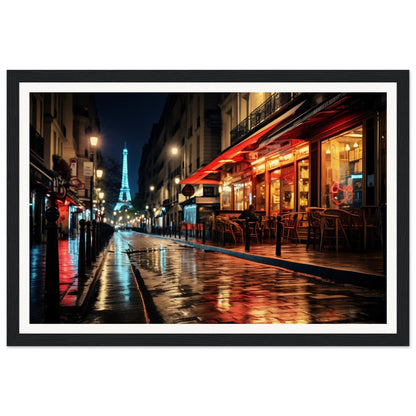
<point x="278" y="184"/>
<point x="342" y="170"/>
<point x="331" y="156"/>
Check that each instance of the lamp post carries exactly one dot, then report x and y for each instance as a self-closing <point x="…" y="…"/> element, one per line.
<point x="101" y="197"/>
<point x="174" y="151"/>
<point x="93" y="142"/>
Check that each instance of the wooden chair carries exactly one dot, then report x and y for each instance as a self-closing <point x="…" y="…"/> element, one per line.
<point x="238" y="232"/>
<point x="225" y="229"/>
<point x="254" y="230"/>
<point x="289" y="226"/>
<point x="332" y="229"/>
<point x="302" y="227"/>
<point x="314" y="225"/>
<point x="268" y="228"/>
<point x="371" y="217"/>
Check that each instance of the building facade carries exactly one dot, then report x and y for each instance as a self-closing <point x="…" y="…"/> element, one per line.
<point x="58" y="148"/>
<point x="284" y="152"/>
<point x="187" y="137"/>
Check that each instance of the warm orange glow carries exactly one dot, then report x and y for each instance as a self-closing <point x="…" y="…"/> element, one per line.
<point x="93" y="140"/>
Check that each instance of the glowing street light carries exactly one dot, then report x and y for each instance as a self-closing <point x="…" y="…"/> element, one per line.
<point x="174" y="150"/>
<point x="94" y="141"/>
<point x="152" y="188"/>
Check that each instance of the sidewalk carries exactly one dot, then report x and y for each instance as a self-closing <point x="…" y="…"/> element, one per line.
<point x="359" y="268"/>
<point x="75" y="292"/>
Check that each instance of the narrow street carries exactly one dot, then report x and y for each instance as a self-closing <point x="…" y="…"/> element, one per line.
<point x="182" y="284"/>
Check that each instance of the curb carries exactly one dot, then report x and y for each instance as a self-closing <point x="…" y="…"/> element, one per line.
<point x="372" y="281"/>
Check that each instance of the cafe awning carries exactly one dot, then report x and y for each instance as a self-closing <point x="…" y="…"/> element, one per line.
<point x="294" y="124"/>
<point x="208" y="174"/>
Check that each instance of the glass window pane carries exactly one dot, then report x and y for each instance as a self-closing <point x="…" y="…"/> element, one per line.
<point x="342" y="170"/>
<point x="303" y="184"/>
<point x="275" y="192"/>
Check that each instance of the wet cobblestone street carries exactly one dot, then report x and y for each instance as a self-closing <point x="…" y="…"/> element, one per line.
<point x="189" y="285"/>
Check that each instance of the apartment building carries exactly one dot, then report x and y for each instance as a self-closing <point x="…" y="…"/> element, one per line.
<point x="57" y="149"/>
<point x="187" y="137"/>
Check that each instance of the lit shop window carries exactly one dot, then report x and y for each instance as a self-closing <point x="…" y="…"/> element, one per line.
<point x="288" y="188"/>
<point x="342" y="170"/>
<point x="303" y="184"/>
<point x="226" y="197"/>
<point x="242" y="195"/>
<point x="260" y="193"/>
<point x="275" y="192"/>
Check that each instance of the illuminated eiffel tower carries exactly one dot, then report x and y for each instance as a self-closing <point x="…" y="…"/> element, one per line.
<point x="124" y="198"/>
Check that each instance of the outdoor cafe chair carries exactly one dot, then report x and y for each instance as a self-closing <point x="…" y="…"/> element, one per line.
<point x="352" y="224"/>
<point x="314" y="226"/>
<point x="371" y="217"/>
<point x="238" y="232"/>
<point x="289" y="222"/>
<point x="332" y="229"/>
<point x="268" y="227"/>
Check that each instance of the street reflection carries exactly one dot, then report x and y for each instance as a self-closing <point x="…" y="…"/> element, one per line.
<point x="68" y="269"/>
<point x="190" y="285"/>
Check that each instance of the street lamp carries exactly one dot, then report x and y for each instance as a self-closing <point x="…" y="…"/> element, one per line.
<point x="93" y="142"/>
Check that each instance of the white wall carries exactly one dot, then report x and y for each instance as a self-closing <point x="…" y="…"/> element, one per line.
<point x="207" y="381"/>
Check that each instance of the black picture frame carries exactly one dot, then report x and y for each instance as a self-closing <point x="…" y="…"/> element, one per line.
<point x="15" y="338"/>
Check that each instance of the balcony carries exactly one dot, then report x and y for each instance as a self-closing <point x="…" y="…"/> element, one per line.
<point x="261" y="113"/>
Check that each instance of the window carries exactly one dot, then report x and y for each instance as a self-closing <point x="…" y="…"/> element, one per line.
<point x="208" y="191"/>
<point x="303" y="184"/>
<point x="275" y="192"/>
<point x="288" y="189"/>
<point x="242" y="195"/>
<point x="226" y="197"/>
<point x="342" y="170"/>
<point x="260" y="193"/>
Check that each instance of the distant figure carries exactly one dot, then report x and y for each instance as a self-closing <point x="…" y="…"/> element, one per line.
<point x="249" y="213"/>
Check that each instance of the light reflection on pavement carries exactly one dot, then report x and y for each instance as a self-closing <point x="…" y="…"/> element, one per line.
<point x="189" y="285"/>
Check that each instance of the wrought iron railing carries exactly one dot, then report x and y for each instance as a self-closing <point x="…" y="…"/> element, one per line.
<point x="257" y="116"/>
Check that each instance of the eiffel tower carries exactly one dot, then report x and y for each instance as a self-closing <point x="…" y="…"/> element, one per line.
<point x="124" y="198"/>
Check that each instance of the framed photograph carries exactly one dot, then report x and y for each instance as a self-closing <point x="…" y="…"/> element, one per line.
<point x="208" y="208"/>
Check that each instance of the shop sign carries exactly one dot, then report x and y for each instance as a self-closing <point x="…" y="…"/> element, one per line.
<point x="188" y="190"/>
<point x="88" y="168"/>
<point x="73" y="164"/>
<point x="272" y="164"/>
<point x="341" y="194"/>
<point x="259" y="169"/>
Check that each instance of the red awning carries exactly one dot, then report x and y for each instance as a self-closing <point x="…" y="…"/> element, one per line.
<point x="235" y="153"/>
<point x="288" y="126"/>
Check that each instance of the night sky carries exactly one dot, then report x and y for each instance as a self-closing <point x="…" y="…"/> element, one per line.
<point x="127" y="117"/>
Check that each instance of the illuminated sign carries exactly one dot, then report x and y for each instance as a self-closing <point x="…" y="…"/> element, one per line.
<point x="341" y="194"/>
<point x="188" y="190"/>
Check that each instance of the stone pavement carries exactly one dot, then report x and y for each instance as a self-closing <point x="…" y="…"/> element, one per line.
<point x="189" y="285"/>
<point x="118" y="299"/>
<point x="117" y="289"/>
<point x="359" y="268"/>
